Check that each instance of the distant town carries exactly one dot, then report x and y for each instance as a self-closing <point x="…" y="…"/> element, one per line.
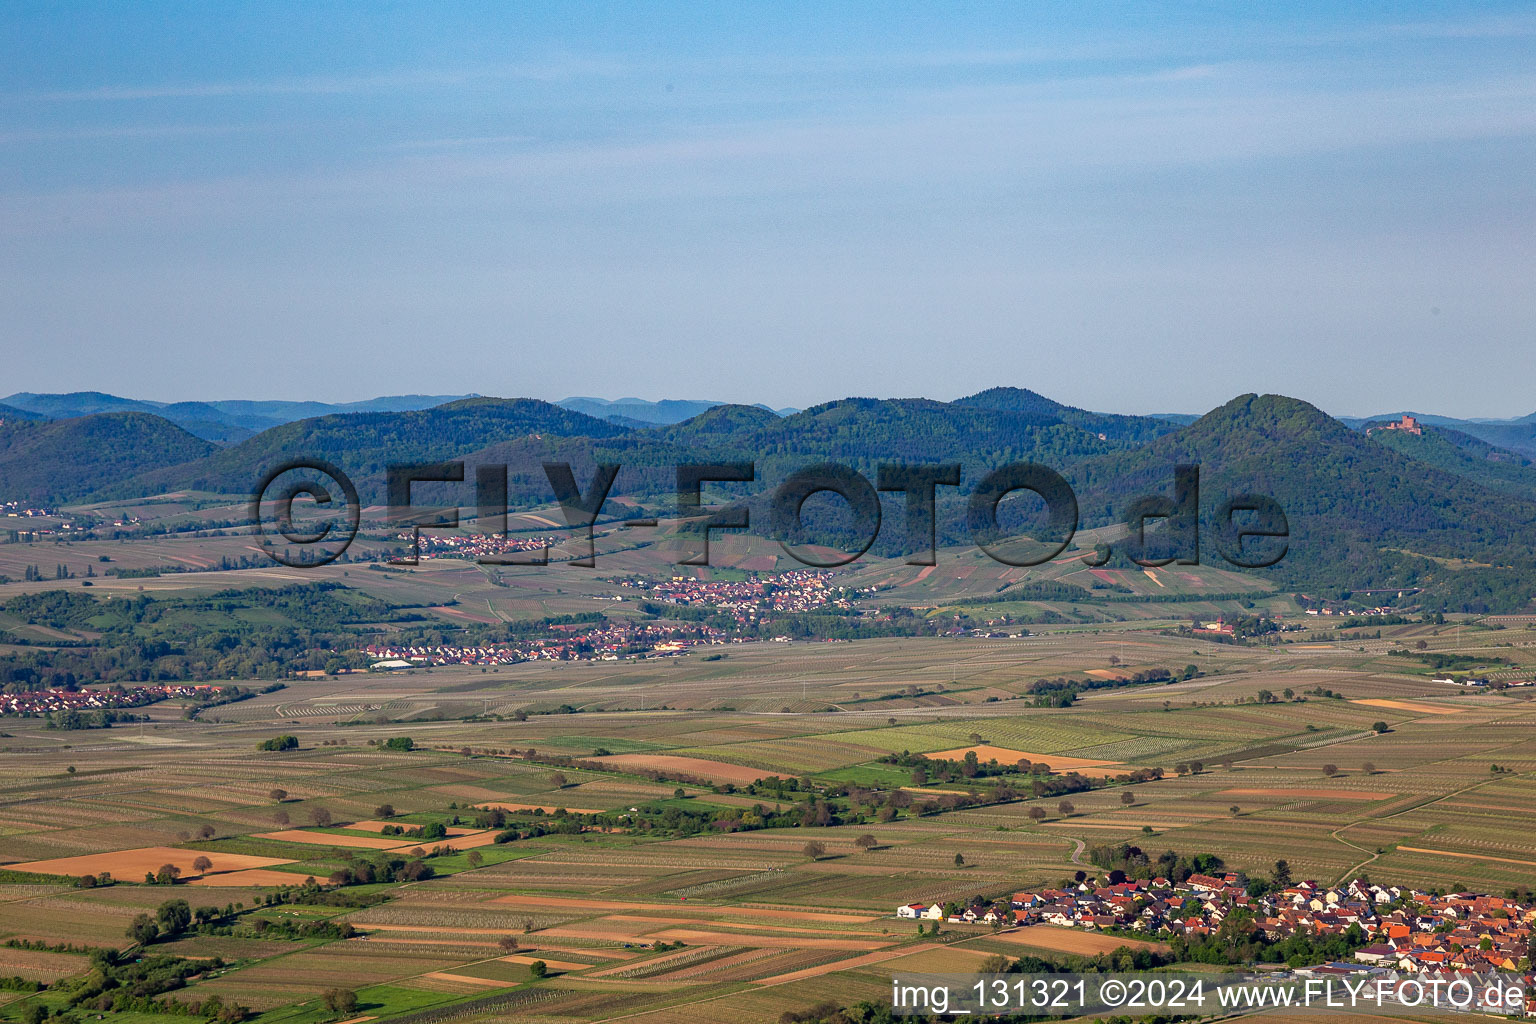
<point x="37" y="703"/>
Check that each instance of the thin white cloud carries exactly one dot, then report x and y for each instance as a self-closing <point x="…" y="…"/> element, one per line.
<point x="313" y="85"/>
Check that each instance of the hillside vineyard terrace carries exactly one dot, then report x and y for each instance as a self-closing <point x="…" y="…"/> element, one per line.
<point x="1239" y="519"/>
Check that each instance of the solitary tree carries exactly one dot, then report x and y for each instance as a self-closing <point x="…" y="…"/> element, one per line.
<point x="1234" y="809"/>
<point x="538" y="969"/>
<point x="1066" y="808"/>
<point x="959" y="860"/>
<point x="202" y="864"/>
<point x="205" y="831"/>
<point x="474" y="858"/>
<point x="1037" y="814"/>
<point x="277" y="796"/>
<point x="1127" y="798"/>
<point x="281" y="817"/>
<point x="167" y="874"/>
<point x="320" y="816"/>
<point x="340" y="1000"/>
<point x="384" y="811"/>
<point x="1380" y="727"/>
<point x="558" y="780"/>
<point x="866" y="842"/>
<point x="508" y="943"/>
<point x="1368" y="768"/>
<point x="1330" y="770"/>
<point x="814" y="849"/>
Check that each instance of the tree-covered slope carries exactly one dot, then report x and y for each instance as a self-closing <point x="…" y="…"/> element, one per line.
<point x="55" y="460"/>
<point x="77" y="403"/>
<point x="1466" y="456"/>
<point x="11" y="413"/>
<point x="863" y="432"/>
<point x="1114" y="427"/>
<point x="1362" y="516"/>
<point x="364" y="444"/>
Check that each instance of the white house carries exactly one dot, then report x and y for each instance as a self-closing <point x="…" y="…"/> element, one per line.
<point x="921" y="912"/>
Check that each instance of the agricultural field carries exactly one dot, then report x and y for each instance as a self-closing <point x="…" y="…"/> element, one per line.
<point x="727" y="831"/>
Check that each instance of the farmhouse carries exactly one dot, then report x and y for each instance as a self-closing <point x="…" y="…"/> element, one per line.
<point x="921" y="912"/>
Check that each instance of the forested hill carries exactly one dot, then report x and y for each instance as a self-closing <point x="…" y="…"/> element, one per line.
<point x="522" y="433"/>
<point x="1114" y="427"/>
<point x="1367" y="511"/>
<point x="860" y="433"/>
<point x="1361" y="514"/>
<point x="9" y="413"/>
<point x="222" y="421"/>
<point x="57" y="460"/>
<point x="863" y="432"/>
<point x="1464" y="455"/>
<point x="365" y="444"/>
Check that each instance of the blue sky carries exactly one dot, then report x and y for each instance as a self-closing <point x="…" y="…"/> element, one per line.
<point x="1122" y="209"/>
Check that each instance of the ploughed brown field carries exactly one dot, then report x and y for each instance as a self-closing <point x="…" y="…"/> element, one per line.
<point x="554" y="965"/>
<point x="1409" y="705"/>
<point x="295" y="835"/>
<point x="465" y="979"/>
<point x="1316" y="794"/>
<point x="718" y="771"/>
<point x="131" y="865"/>
<point x="1073" y="940"/>
<point x="463" y="841"/>
<point x="253" y="877"/>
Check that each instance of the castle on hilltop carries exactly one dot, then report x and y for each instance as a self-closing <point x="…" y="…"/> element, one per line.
<point x="1407" y="423"/>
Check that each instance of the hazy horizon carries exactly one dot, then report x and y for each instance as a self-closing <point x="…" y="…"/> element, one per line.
<point x="359" y="398"/>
